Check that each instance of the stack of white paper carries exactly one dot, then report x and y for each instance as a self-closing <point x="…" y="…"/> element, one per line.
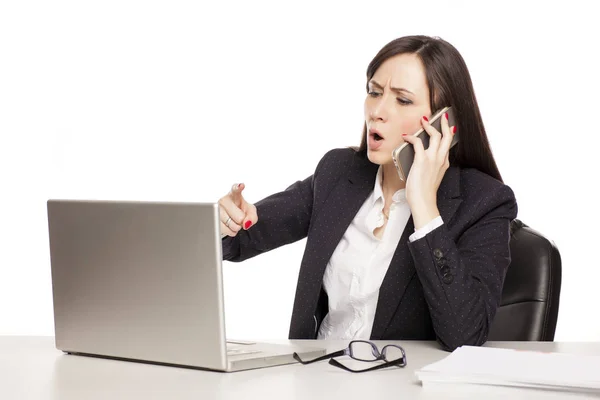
<point x="508" y="367"/>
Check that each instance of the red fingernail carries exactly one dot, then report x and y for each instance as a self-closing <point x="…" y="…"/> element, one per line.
<point x="404" y="134"/>
<point x="454" y="129"/>
<point x="248" y="224"/>
<point x="446" y="115"/>
<point x="425" y="118"/>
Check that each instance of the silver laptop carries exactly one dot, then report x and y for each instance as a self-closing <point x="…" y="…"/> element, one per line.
<point x="142" y="281"/>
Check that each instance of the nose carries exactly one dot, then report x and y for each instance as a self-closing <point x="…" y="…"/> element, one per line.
<point x="378" y="110"/>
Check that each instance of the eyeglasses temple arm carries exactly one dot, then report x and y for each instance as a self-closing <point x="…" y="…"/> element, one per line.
<point x="399" y="362"/>
<point x="325" y="357"/>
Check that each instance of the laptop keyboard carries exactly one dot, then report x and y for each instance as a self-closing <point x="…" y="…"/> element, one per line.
<point x="236" y="348"/>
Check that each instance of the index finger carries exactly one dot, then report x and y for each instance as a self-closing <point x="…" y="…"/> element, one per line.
<point x="434" y="135"/>
<point x="236" y="193"/>
<point x="416" y="142"/>
<point x="447" y="134"/>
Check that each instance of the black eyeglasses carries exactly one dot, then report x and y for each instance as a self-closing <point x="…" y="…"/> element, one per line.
<point x="363" y="350"/>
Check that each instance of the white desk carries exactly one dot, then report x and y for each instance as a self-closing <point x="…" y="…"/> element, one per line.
<point x="31" y="368"/>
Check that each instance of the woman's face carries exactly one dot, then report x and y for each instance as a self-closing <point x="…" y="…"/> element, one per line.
<point x="398" y="98"/>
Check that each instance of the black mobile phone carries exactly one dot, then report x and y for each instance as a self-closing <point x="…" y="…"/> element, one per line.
<point x="404" y="154"/>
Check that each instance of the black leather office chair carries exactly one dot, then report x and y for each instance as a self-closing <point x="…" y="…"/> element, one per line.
<point x="531" y="293"/>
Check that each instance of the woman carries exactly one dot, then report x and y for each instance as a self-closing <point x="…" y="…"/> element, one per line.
<point x="386" y="259"/>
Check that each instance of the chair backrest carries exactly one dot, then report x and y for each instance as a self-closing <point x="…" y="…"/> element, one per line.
<point x="531" y="293"/>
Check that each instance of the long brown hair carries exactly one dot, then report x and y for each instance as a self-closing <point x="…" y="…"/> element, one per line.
<point x="449" y="84"/>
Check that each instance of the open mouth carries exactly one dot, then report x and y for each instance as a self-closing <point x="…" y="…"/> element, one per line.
<point x="375" y="140"/>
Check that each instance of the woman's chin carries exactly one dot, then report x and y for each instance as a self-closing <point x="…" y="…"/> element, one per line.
<point x="379" y="157"/>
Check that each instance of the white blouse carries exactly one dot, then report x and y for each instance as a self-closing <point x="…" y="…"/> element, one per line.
<point x="359" y="263"/>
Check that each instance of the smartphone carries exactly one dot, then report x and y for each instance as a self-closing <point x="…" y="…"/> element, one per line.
<point x="404" y="155"/>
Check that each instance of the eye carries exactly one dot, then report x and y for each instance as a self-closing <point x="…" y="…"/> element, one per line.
<point x="374" y="94"/>
<point x="404" y="102"/>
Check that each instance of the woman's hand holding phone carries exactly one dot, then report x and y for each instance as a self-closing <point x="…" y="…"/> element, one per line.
<point x="427" y="171"/>
<point x="235" y="212"/>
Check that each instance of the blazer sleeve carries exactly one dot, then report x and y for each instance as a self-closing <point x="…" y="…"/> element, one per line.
<point x="462" y="278"/>
<point x="283" y="218"/>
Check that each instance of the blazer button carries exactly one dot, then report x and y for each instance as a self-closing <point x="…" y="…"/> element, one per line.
<point x="437" y="253"/>
<point x="445" y="270"/>
<point x="441" y="261"/>
<point x="447" y="278"/>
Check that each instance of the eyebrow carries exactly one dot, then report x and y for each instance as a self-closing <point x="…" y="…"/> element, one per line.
<point x="398" y="90"/>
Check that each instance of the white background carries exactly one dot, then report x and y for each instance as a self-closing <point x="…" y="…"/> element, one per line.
<point x="172" y="100"/>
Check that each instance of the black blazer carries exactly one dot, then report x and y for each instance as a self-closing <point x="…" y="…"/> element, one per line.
<point x="445" y="286"/>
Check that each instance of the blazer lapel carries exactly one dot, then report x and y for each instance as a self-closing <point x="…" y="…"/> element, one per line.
<point x="399" y="274"/>
<point x="402" y="268"/>
<point x="343" y="204"/>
